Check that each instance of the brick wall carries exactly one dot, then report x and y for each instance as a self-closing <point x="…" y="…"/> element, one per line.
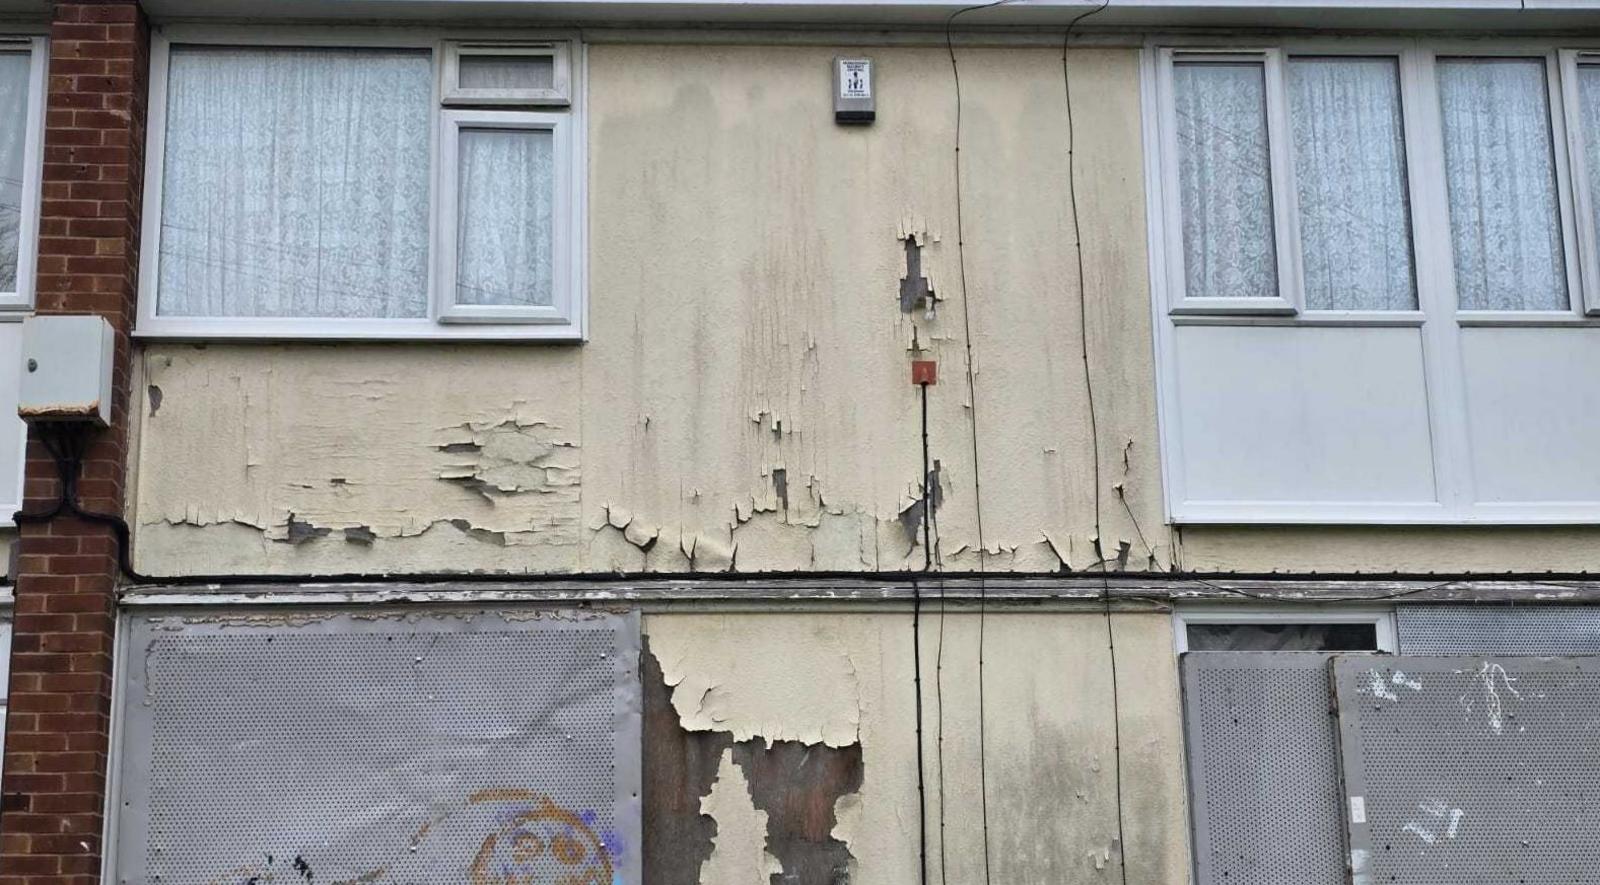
<point x="56" y="742"/>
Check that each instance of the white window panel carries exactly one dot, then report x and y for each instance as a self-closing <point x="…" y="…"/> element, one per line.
<point x="310" y="186"/>
<point x="505" y="256"/>
<point x="22" y="75"/>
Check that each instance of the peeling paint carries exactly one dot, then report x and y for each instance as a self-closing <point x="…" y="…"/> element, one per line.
<point x="740" y="853"/>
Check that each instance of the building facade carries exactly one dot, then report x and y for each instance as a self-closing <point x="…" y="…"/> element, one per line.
<point x="547" y="442"/>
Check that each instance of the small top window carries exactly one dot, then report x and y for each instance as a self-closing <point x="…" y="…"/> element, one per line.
<point x="1285" y="636"/>
<point x="1279" y="628"/>
<point x="506" y="74"/>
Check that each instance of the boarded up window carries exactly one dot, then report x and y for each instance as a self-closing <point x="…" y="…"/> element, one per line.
<point x="1470" y="770"/>
<point x="379" y="747"/>
<point x="1263" y="768"/>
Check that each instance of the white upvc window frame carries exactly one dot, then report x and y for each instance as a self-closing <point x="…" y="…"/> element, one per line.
<point x="1290" y="305"/>
<point x="1380" y="617"/>
<point x="448" y="225"/>
<point x="1285" y="227"/>
<point x="515" y="323"/>
<point x="37" y="49"/>
<point x="1557" y="86"/>
<point x="1571" y="117"/>
<point x="1439" y="317"/>
<point x="558" y="95"/>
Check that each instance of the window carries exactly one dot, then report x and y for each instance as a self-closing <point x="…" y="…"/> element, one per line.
<point x="1235" y="628"/>
<point x="1261" y="744"/>
<point x="307" y="189"/>
<point x="21" y="118"/>
<point x="1322" y="766"/>
<point x="1371" y="259"/>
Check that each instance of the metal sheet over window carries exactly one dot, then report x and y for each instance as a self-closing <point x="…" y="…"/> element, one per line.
<point x="1498" y="629"/>
<point x="1263" y="768"/>
<point x="380" y="747"/>
<point x="1470" y="770"/>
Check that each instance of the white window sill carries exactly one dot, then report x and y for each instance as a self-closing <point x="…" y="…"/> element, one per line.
<point x="355" y="330"/>
<point x="1373" y="514"/>
<point x="1309" y="318"/>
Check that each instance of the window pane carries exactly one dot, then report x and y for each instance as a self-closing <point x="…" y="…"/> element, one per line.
<point x="1282" y="637"/>
<point x="1350" y="176"/>
<point x="504" y="236"/>
<point x="1224" y="180"/>
<point x="1589" y="112"/>
<point x="296" y="183"/>
<point x="506" y="72"/>
<point x="13" y="137"/>
<point x="1505" y="220"/>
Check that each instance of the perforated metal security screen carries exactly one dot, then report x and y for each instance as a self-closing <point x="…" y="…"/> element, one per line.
<point x="1263" y="768"/>
<point x="380" y="747"/>
<point x="1471" y="770"/>
<point x="1498" y="629"/>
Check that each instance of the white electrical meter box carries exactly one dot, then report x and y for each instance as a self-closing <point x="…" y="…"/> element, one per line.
<point x="66" y="369"/>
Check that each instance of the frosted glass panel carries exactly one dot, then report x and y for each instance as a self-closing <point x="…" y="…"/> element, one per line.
<point x="1225" y="180"/>
<point x="506" y="72"/>
<point x="1350" y="176"/>
<point x="504" y="239"/>
<point x="13" y="138"/>
<point x="1505" y="218"/>
<point x="296" y="183"/>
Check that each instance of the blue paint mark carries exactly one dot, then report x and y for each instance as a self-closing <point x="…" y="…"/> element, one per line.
<point x="612" y="842"/>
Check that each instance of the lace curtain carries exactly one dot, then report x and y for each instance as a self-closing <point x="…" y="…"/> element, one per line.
<point x="13" y="134"/>
<point x="1505" y="219"/>
<point x="1589" y="118"/>
<point x="1225" y="180"/>
<point x="296" y="183"/>
<point x="1350" y="178"/>
<point x="507" y="71"/>
<point x="503" y="242"/>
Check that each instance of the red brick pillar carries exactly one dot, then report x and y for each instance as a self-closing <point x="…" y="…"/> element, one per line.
<point x="54" y="782"/>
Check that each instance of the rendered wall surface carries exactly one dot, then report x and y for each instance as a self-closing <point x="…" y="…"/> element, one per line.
<point x="749" y="688"/>
<point x="744" y="401"/>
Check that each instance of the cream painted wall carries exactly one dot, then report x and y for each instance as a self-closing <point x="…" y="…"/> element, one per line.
<point x="744" y="400"/>
<point x="1049" y="745"/>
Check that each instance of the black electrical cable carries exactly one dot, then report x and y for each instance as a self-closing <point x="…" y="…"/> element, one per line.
<point x="66" y="443"/>
<point x="916" y="658"/>
<point x="1094" y="429"/>
<point x="977" y="486"/>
